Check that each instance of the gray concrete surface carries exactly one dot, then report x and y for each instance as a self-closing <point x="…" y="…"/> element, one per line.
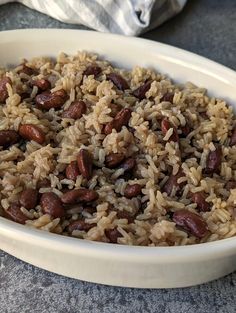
<point x="207" y="28"/>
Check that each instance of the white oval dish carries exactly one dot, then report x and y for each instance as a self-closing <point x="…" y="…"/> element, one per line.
<point x="128" y="266"/>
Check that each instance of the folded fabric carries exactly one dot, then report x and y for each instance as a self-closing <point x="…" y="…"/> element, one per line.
<point x="128" y="17"/>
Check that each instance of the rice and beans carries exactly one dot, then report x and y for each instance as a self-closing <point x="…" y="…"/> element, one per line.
<point x="106" y="154"/>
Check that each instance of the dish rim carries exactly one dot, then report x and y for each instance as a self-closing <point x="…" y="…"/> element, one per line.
<point x="100" y="250"/>
<point x="194" y="252"/>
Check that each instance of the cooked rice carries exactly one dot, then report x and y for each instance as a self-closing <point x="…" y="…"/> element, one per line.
<point x="156" y="156"/>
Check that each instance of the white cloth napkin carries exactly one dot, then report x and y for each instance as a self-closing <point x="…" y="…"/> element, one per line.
<point x="128" y="17"/>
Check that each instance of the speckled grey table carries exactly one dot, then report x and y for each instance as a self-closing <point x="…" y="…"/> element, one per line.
<point x="207" y="28"/>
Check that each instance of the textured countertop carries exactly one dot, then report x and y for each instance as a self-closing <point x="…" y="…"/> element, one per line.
<point x="207" y="28"/>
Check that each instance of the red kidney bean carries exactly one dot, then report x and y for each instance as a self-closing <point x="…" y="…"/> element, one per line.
<point x="27" y="70"/>
<point x="75" y="110"/>
<point x="85" y="163"/>
<point x="29" y="198"/>
<point x="61" y="93"/>
<point x="112" y="234"/>
<point x="14" y="213"/>
<point x="44" y="183"/>
<point x="165" y="126"/>
<point x="128" y="164"/>
<point x="32" y="132"/>
<point x="232" y="141"/>
<point x="3" y="88"/>
<point x="213" y="161"/>
<point x="121" y="119"/>
<point x="92" y="70"/>
<point x="79" y="195"/>
<point x="42" y="84"/>
<point x="132" y="190"/>
<point x="168" y="97"/>
<point x="118" y="81"/>
<point x="48" y="100"/>
<point x="8" y="138"/>
<point x="126" y="215"/>
<point x="172" y="182"/>
<point x="114" y="159"/>
<point x="191" y="222"/>
<point x="72" y="171"/>
<point x="80" y="225"/>
<point x="230" y="185"/>
<point x="51" y="204"/>
<point x="115" y="108"/>
<point x="200" y="199"/>
<point x="140" y="92"/>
